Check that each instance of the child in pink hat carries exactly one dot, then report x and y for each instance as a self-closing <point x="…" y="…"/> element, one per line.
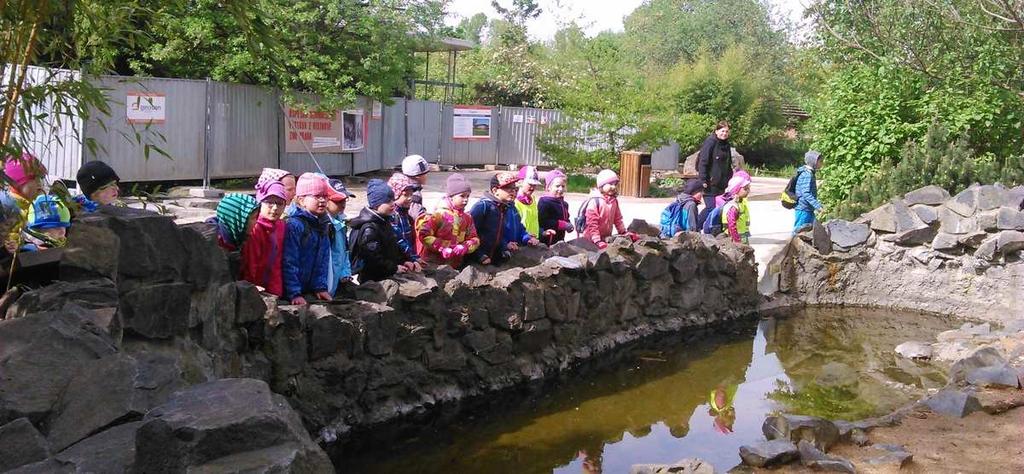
<point x="602" y="211"/>
<point x="23" y="176"/>
<point x="263" y="251"/>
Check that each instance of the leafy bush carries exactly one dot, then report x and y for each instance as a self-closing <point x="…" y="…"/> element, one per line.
<point x="936" y="159"/>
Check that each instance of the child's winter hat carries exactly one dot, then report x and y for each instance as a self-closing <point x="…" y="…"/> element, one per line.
<point x="456" y="184"/>
<point x="811" y="158"/>
<point x="270" y="188"/>
<point x="503" y="179"/>
<point x="311" y="184"/>
<point x="233" y="213"/>
<point x="606" y="177"/>
<point x="48" y="212"/>
<point x="414" y="165"/>
<point x="378" y="192"/>
<point x="528" y="174"/>
<point x="737" y="183"/>
<point x="271" y="174"/>
<point x="22" y="169"/>
<point x="337" y="190"/>
<point x="94" y="175"/>
<point x="551" y="176"/>
<point x="692" y="186"/>
<point x="400" y="182"/>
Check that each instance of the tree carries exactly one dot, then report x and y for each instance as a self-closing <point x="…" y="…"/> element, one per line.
<point x="472" y="28"/>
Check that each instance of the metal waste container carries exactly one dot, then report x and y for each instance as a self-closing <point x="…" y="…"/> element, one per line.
<point x="635" y="174"/>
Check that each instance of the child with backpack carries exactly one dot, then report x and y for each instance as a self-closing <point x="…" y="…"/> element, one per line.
<point x="341" y="267"/>
<point x="449" y="234"/>
<point x="497" y="222"/>
<point x="374" y="249"/>
<point x="307" y="244"/>
<point x="681" y="215"/>
<point x="263" y="249"/>
<point x="807" y="191"/>
<point x="402" y="222"/>
<point x="602" y="211"/>
<point x="48" y="222"/>
<point x="526" y="204"/>
<point x="735" y="215"/>
<point x="23" y="177"/>
<point x="553" y="211"/>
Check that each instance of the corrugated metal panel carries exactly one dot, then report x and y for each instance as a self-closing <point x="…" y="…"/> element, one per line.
<point x="56" y="139"/>
<point x="467" y="152"/>
<point x="424" y="129"/>
<point x="666" y="157"/>
<point x="518" y="129"/>
<point x="183" y="132"/>
<point x="394" y="134"/>
<point x="243" y="129"/>
<point x="368" y="159"/>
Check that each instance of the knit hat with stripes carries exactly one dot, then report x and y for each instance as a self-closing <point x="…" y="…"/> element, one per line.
<point x="233" y="213"/>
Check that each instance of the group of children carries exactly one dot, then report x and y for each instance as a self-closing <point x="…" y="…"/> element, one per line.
<point x="728" y="213"/>
<point x="31" y="219"/>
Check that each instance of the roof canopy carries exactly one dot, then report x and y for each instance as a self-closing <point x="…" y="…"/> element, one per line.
<point x="433" y="45"/>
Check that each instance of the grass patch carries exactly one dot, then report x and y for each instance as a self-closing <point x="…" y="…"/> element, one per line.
<point x="579" y="183"/>
<point x="778" y="171"/>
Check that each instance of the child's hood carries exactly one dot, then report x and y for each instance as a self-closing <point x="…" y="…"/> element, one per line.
<point x="367" y="216"/>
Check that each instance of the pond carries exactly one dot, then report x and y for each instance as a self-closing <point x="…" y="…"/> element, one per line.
<point x="686" y="396"/>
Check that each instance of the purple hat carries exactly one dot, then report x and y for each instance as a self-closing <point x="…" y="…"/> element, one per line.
<point x="270" y="188"/>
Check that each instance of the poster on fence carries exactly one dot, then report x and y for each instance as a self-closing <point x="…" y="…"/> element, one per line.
<point x="353" y="136"/>
<point x="471" y="122"/>
<point x="320" y="131"/>
<point x="145" y="107"/>
<point x="376" y="110"/>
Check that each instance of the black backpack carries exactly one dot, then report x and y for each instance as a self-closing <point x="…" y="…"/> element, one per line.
<point x="581" y="216"/>
<point x="789" y="198"/>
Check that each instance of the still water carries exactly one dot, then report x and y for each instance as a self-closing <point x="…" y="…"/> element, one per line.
<point x="680" y="398"/>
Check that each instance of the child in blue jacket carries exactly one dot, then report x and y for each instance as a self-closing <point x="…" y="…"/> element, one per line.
<point x="498" y="225"/>
<point x="307" y="242"/>
<point x="341" y="268"/>
<point x="681" y="215"/>
<point x="807" y="191"/>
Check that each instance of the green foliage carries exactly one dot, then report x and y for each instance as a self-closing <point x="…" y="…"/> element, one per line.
<point x="829" y="402"/>
<point x="938" y="159"/>
<point x="579" y="183"/>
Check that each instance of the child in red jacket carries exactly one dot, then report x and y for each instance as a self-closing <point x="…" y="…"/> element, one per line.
<point x="264" y="248"/>
<point x="602" y="211"/>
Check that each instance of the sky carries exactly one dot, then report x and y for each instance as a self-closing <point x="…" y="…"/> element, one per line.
<point x="596" y="15"/>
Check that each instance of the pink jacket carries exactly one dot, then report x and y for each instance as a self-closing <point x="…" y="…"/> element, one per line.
<point x="602" y="218"/>
<point x="446" y="227"/>
<point x="262" y="253"/>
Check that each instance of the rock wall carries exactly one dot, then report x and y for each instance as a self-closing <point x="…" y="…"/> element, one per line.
<point x="925" y="251"/>
<point x="147" y="341"/>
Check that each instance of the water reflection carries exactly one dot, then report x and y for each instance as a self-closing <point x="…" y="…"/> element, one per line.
<point x="702" y="399"/>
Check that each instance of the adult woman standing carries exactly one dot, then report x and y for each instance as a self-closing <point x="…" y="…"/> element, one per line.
<point x="714" y="163"/>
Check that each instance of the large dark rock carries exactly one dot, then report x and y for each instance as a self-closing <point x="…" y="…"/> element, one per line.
<point x="990" y="196"/>
<point x="1009" y="218"/>
<point x="965" y="203"/>
<point x="894" y="457"/>
<point x="953" y="403"/>
<point x="91" y="252"/>
<point x="109" y="391"/>
<point x="982" y="357"/>
<point x="643" y="227"/>
<point x="112" y="450"/>
<point x="815" y="459"/>
<point x="819" y="431"/>
<point x="847" y="234"/>
<point x="39" y="355"/>
<point x="151" y="247"/>
<point x="225" y="424"/>
<point x="21" y="444"/>
<point x="929" y="195"/>
<point x="157" y="311"/>
<point x="994" y="376"/>
<point x="769" y="453"/>
<point x="882" y="219"/>
<point x="652" y="266"/>
<point x="910" y="229"/>
<point x="928" y="214"/>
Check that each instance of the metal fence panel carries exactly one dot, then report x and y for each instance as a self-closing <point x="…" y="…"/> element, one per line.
<point x="518" y="129"/>
<point x="56" y="139"/>
<point x="243" y="129"/>
<point x="182" y="135"/>
<point x="393" y="140"/>
<point x="465" y="151"/>
<point x="424" y="128"/>
<point x="368" y="159"/>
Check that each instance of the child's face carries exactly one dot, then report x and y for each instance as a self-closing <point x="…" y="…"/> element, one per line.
<point x="315" y="204"/>
<point x="459" y="201"/>
<point x="698" y="197"/>
<point x="610" y="189"/>
<point x="386" y="209"/>
<point x="743" y="192"/>
<point x="335" y="208"/>
<point x="30" y="189"/>
<point x="421" y="179"/>
<point x="106" y="194"/>
<point x="558" y="187"/>
<point x="506" y="194"/>
<point x="289" y="187"/>
<point x="56" y="233"/>
<point x="528" y="189"/>
<point x="405" y="198"/>
<point x="271" y="208"/>
<point x="820" y="163"/>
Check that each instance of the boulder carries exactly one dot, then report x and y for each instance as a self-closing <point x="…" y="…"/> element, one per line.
<point x="21" y="444"/>
<point x="910" y="229"/>
<point x="652" y="266"/>
<point x="973" y="239"/>
<point x="987" y="220"/>
<point x="820" y="239"/>
<point x="91" y="252"/>
<point x="769" y="453"/>
<point x="882" y="219"/>
<point x="928" y="214"/>
<point x="953" y="223"/>
<point x="40" y="354"/>
<point x="929" y="195"/>
<point x="952" y="335"/>
<point x="987" y="250"/>
<point x="1010" y="241"/>
<point x="945" y="242"/>
<point x="994" y="376"/>
<point x="990" y="196"/>
<point x="643" y="227"/>
<point x="682" y="466"/>
<point x="112" y="450"/>
<point x="953" y="403"/>
<point x="813" y="458"/>
<point x="982" y="357"/>
<point x="1009" y="218"/>
<point x="115" y="388"/>
<point x="965" y="203"/>
<point x="894" y="457"/>
<point x="228" y="422"/>
<point x="914" y="350"/>
<point x="847" y="234"/>
<point x="976" y="329"/>
<point x="158" y="311"/>
<point x="818" y="431"/>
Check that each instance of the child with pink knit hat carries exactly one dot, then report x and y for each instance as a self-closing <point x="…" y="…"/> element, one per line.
<point x="307" y="242"/>
<point x="602" y="211"/>
<point x="23" y="176"/>
<point x="263" y="250"/>
<point x="735" y="213"/>
<point x="552" y="210"/>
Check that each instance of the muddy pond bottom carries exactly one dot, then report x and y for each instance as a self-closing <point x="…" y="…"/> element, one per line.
<point x="680" y="397"/>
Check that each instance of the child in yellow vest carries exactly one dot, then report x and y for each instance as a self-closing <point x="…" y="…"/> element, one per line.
<point x="735" y="214"/>
<point x="526" y="204"/>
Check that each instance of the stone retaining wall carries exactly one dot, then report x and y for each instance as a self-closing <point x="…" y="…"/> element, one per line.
<point x="926" y="251"/>
<point x="146" y="317"/>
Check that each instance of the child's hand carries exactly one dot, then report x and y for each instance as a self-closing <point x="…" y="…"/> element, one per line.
<point x="400" y="269"/>
<point x="512" y="246"/>
<point x="601" y="245"/>
<point x="633" y="236"/>
<point x="459" y="250"/>
<point x="550" y="233"/>
<point x="414" y="267"/>
<point x="299" y="301"/>
<point x="447" y="252"/>
<point x="323" y="295"/>
<point x="485" y="260"/>
<point x="533" y="242"/>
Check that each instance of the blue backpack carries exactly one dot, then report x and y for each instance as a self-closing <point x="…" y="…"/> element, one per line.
<point x="673" y="219"/>
<point x="713" y="223"/>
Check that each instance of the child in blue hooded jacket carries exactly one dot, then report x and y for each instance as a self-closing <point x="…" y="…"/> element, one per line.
<point x="497" y="221"/>
<point x="341" y="267"/>
<point x="307" y="242"/>
<point x="807" y="191"/>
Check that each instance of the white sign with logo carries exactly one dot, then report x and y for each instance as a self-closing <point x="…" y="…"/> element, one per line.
<point x="146" y="107"/>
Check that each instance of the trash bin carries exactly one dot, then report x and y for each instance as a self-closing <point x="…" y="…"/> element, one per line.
<point x="634" y="174"/>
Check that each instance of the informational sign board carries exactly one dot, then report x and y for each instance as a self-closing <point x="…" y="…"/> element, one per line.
<point x="353" y="136"/>
<point x="321" y="131"/>
<point x="145" y="107"/>
<point x="517" y="118"/>
<point x="471" y="122"/>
